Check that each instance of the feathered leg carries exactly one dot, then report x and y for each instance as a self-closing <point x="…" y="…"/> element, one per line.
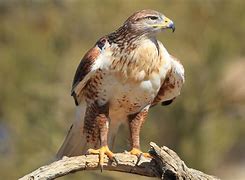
<point x="96" y="128"/>
<point x="135" y="123"/>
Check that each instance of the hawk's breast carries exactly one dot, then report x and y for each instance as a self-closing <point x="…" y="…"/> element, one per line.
<point x="132" y="80"/>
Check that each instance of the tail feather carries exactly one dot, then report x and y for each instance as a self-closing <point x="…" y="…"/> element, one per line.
<point x="75" y="142"/>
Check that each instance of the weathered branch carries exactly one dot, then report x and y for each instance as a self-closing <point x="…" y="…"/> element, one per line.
<point x="165" y="165"/>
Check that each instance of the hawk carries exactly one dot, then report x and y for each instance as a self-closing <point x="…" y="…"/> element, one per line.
<point x="117" y="81"/>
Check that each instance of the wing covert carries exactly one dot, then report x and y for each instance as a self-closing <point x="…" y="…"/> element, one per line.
<point x="172" y="84"/>
<point x="87" y="68"/>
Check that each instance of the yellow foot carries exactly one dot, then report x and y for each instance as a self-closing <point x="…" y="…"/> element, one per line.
<point x="104" y="150"/>
<point x="139" y="153"/>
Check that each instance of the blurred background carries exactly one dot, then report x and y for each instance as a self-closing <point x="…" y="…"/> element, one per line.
<point x="42" y="42"/>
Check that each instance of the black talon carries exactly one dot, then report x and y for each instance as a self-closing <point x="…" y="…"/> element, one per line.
<point x="138" y="159"/>
<point x="152" y="152"/>
<point x="115" y="160"/>
<point x="101" y="168"/>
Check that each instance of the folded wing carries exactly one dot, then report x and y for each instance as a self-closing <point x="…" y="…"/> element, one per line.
<point x="93" y="60"/>
<point x="75" y="142"/>
<point x="172" y="84"/>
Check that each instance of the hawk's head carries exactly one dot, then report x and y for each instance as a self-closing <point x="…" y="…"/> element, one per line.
<point x="148" y="22"/>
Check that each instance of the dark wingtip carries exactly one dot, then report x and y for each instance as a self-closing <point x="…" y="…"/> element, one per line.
<point x="73" y="94"/>
<point x="166" y="103"/>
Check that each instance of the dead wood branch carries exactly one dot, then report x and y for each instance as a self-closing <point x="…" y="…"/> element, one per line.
<point x="165" y="165"/>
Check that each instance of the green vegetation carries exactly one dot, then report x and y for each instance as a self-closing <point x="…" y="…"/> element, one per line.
<point x="42" y="42"/>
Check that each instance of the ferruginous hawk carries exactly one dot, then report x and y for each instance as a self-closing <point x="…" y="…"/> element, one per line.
<point x="117" y="81"/>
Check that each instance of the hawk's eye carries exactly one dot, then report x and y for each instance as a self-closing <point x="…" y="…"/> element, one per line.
<point x="152" y="17"/>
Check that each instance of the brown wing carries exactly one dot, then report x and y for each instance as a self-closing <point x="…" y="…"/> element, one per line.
<point x="172" y="84"/>
<point x="86" y="69"/>
<point x="166" y="86"/>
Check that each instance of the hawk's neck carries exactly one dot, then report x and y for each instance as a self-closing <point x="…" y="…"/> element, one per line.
<point x="125" y="36"/>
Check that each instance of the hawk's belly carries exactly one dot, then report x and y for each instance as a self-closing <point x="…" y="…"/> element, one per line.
<point x="126" y="96"/>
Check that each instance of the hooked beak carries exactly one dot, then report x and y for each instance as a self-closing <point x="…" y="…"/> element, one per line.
<point x="166" y="24"/>
<point x="171" y="26"/>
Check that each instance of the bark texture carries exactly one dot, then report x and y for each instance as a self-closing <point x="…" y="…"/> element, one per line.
<point x="165" y="165"/>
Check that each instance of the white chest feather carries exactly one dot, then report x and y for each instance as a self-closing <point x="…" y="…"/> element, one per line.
<point x="130" y="81"/>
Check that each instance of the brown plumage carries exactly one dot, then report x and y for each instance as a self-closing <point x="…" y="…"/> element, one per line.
<point x="117" y="81"/>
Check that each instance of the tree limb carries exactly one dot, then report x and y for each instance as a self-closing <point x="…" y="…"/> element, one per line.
<point x="165" y="165"/>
